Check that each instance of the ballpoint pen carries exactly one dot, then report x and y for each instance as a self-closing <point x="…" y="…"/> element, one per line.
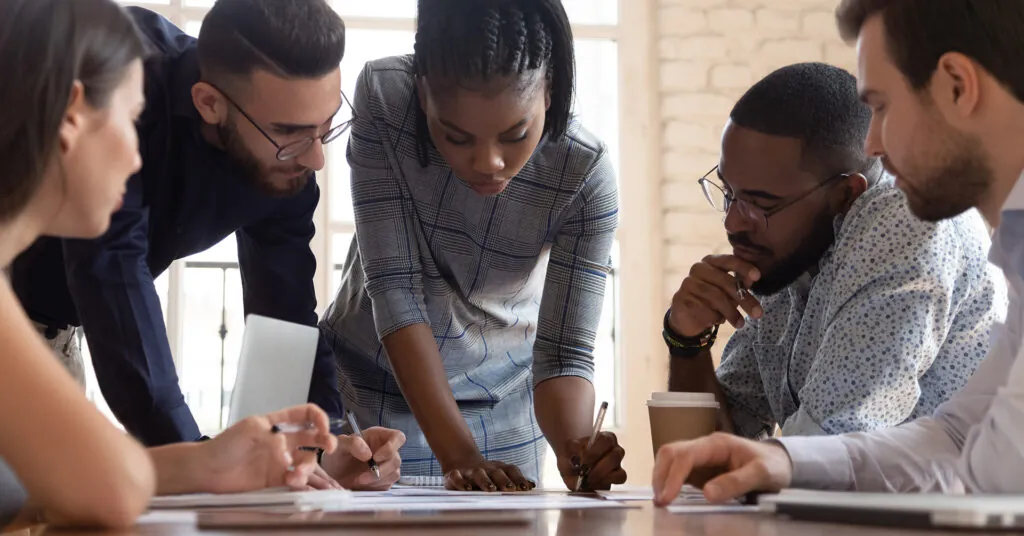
<point x="291" y="428"/>
<point x="593" y="436"/>
<point x="358" y="433"/>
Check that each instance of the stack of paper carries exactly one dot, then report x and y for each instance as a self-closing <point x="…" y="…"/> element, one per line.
<point x="268" y="497"/>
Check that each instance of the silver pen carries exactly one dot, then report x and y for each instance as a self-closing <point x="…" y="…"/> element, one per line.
<point x="293" y="428"/>
<point x="358" y="433"/>
<point x="593" y="437"/>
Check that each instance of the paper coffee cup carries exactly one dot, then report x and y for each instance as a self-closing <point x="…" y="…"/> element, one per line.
<point x="681" y="417"/>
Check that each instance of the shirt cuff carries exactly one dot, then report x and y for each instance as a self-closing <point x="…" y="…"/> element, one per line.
<point x="547" y="371"/>
<point x="396" y="309"/>
<point x="819" y="462"/>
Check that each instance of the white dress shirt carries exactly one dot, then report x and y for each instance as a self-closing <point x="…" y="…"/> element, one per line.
<point x="974" y="442"/>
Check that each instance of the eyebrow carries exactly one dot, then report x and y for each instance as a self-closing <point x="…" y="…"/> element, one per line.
<point x="522" y="122"/>
<point x="760" y="194"/>
<point x="300" y="126"/>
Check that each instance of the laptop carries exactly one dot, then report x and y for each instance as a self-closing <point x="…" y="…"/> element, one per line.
<point x="924" y="510"/>
<point x="275" y="367"/>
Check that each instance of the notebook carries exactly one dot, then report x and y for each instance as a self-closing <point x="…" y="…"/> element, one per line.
<point x="427" y="481"/>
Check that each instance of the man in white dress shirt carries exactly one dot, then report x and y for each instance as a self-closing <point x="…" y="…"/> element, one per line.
<point x="945" y="82"/>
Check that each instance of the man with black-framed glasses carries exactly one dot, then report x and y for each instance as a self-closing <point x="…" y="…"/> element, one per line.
<point x="851" y="313"/>
<point x="233" y="131"/>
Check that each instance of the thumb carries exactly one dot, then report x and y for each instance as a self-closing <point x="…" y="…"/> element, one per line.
<point x="355" y="447"/>
<point x="750" y="477"/>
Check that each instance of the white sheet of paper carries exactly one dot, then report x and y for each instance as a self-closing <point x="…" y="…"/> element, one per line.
<point x="167" y="517"/>
<point x="492" y="501"/>
<point x="646" y="493"/>
<point x="268" y="497"/>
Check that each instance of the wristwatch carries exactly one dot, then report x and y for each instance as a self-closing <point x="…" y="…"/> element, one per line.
<point x="687" y="347"/>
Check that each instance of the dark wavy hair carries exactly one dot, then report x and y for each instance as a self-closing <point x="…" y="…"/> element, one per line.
<point x="45" y="47"/>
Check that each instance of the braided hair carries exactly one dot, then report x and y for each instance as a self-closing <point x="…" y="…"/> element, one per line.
<point x="486" y="40"/>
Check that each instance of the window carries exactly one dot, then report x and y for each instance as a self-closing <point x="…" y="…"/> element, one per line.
<point x="202" y="294"/>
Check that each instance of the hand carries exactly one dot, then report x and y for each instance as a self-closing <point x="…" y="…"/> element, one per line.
<point x="248" y="456"/>
<point x="487" y="475"/>
<point x="349" y="466"/>
<point x="601" y="466"/>
<point x="748" y="466"/>
<point x="708" y="296"/>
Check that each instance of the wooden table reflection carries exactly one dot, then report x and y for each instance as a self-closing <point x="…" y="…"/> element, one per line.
<point x="642" y="521"/>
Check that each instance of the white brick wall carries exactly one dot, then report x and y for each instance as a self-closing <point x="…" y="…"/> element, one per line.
<point x="710" y="52"/>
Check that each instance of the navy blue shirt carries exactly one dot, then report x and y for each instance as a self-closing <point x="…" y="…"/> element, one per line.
<point x="186" y="198"/>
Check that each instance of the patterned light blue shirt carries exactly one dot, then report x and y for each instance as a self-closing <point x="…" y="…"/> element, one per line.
<point x="895" y="321"/>
<point x="512" y="285"/>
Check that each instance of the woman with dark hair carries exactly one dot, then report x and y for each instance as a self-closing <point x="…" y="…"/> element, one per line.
<point x="67" y="146"/>
<point x="485" y="216"/>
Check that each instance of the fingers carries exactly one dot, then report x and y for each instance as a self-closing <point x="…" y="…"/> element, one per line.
<point x="749" y="477"/>
<point x="317" y="436"/>
<point x="676" y="461"/>
<point x="298" y="474"/>
<point x="319" y="479"/>
<point x="355" y="446"/>
<point x="599" y="476"/>
<point x="714" y="298"/>
<point x="603" y="444"/>
<point x="385" y="442"/>
<point x="519" y="481"/>
<point x="455" y="480"/>
<point x="502" y="480"/>
<point x="482" y="480"/>
<point x="730" y="263"/>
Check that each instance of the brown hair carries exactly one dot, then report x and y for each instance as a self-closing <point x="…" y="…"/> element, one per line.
<point x="919" y="32"/>
<point x="45" y="47"/>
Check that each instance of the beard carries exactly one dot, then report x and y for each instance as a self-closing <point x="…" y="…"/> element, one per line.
<point x="788" y="269"/>
<point x="255" y="173"/>
<point x="956" y="180"/>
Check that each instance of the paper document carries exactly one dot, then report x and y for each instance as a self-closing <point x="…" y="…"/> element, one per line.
<point x="374" y="502"/>
<point x="268" y="497"/>
<point x="646" y="493"/>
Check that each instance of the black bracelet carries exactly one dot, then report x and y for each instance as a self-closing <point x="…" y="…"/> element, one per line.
<point x="687" y="347"/>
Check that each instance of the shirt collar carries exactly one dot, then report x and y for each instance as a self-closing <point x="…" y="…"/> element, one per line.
<point x="1016" y="199"/>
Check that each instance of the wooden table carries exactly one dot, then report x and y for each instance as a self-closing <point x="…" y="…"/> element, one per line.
<point x="644" y="521"/>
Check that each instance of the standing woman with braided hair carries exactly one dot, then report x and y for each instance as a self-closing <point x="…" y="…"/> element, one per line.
<point x="485" y="215"/>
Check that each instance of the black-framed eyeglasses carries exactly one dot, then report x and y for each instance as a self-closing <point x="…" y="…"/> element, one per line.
<point x="294" y="149"/>
<point x="723" y="201"/>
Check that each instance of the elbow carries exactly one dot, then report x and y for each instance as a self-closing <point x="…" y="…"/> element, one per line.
<point x="118" y="500"/>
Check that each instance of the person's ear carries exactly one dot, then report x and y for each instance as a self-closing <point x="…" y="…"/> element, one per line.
<point x="955" y="85"/>
<point x="210" y="103"/>
<point x="854" y="186"/>
<point x="73" y="126"/>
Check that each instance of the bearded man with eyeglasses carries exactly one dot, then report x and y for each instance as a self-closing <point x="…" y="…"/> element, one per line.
<point x="851" y="313"/>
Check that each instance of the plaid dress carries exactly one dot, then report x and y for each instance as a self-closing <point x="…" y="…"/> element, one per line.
<point x="511" y="285"/>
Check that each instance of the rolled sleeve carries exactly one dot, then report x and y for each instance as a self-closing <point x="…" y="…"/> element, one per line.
<point x="386" y="227"/>
<point x="577" y="274"/>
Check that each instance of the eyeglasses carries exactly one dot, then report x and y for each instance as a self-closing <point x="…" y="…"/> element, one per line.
<point x="723" y="201"/>
<point x="296" y="148"/>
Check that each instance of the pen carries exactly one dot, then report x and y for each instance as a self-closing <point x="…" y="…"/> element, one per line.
<point x="291" y="428"/>
<point x="741" y="293"/>
<point x="593" y="437"/>
<point x="355" y="430"/>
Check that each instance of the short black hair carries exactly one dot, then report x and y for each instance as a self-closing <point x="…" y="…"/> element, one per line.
<point x="817" y="104"/>
<point x="299" y="39"/>
<point x="919" y="32"/>
<point x="481" y="40"/>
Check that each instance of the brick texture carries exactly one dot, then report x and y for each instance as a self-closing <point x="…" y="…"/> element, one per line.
<point x="710" y="52"/>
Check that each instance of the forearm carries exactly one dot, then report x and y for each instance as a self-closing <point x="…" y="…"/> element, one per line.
<point x="565" y="410"/>
<point x="697" y="375"/>
<point x="416" y="362"/>
<point x="179" y="469"/>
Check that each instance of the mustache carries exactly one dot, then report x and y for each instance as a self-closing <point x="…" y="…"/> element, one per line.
<point x="743" y="240"/>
